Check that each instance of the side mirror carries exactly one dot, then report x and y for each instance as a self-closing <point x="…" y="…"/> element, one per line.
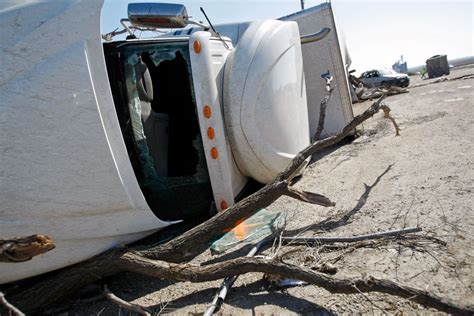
<point x="159" y="15"/>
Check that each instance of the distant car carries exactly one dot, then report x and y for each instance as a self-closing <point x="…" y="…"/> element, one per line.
<point x="385" y="77"/>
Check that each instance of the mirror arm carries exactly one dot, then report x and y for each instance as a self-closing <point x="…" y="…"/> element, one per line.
<point x="315" y="37"/>
<point x="122" y="21"/>
<point x="198" y="24"/>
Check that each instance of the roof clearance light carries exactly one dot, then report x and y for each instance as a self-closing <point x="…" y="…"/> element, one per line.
<point x="223" y="205"/>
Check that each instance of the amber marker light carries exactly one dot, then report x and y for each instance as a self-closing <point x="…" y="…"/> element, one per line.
<point x="214" y="153"/>
<point x="210" y="133"/>
<point x="224" y="205"/>
<point x="197" y="46"/>
<point x="207" y="111"/>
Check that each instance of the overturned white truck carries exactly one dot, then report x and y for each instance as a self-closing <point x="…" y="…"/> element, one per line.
<point x="103" y="143"/>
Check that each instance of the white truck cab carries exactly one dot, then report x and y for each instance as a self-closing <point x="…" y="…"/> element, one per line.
<point x="105" y="142"/>
<point x="200" y="117"/>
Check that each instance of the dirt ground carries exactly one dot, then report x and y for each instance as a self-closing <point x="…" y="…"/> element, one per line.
<point x="424" y="177"/>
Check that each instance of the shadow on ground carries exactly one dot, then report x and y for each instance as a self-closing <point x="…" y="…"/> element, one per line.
<point x="249" y="297"/>
<point x="330" y="223"/>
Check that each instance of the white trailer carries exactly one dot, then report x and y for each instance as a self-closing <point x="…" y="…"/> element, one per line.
<point x="319" y="58"/>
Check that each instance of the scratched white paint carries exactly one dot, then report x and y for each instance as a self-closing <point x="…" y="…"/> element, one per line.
<point x="64" y="168"/>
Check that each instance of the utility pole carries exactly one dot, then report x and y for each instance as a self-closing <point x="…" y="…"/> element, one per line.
<point x="302" y="5"/>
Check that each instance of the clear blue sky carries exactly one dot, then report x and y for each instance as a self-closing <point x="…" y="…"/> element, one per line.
<point x="376" y="32"/>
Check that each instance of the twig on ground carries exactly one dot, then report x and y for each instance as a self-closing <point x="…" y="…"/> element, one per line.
<point x="228" y="282"/>
<point x="399" y="213"/>
<point x="369" y="300"/>
<point x="124" y="304"/>
<point x="289" y="252"/>
<point x="163" y="308"/>
<point x="301" y="239"/>
<point x="9" y="307"/>
<point x="399" y="252"/>
<point x="280" y="243"/>
<point x="386" y="111"/>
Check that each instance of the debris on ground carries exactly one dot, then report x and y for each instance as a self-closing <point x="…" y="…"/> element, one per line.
<point x="364" y="93"/>
<point x="361" y="92"/>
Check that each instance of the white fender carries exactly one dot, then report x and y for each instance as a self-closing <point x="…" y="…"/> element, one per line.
<point x="265" y="99"/>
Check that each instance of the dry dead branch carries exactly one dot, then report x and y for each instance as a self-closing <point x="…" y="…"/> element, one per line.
<point x="184" y="272"/>
<point x="393" y="233"/>
<point x="24" y="248"/>
<point x="322" y="114"/>
<point x="365" y="93"/>
<point x="124" y="304"/>
<point x="12" y="310"/>
<point x="386" y="111"/>
<point x="227" y="284"/>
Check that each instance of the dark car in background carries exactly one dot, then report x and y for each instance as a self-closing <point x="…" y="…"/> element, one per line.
<point x="385" y="78"/>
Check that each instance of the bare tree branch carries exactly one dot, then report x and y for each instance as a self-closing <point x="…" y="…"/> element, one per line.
<point x="227" y="284"/>
<point x="324" y="143"/>
<point x="124" y="304"/>
<point x="322" y="114"/>
<point x="386" y="112"/>
<point x="22" y="249"/>
<point x="9" y="307"/>
<point x="393" y="233"/>
<point x="308" y="197"/>
<point x="65" y="282"/>
<point x="184" y="272"/>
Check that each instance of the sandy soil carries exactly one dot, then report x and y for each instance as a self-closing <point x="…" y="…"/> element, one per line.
<point x="424" y="177"/>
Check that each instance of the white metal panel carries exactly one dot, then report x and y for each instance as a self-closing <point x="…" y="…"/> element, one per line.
<point x="206" y="65"/>
<point x="318" y="58"/>
<point x="234" y="31"/>
<point x="265" y="99"/>
<point x="64" y="168"/>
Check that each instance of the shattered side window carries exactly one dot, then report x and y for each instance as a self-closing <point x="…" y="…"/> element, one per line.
<point x="184" y="187"/>
<point x="146" y="161"/>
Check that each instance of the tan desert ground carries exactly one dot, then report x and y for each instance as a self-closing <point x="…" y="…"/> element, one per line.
<point x="380" y="182"/>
